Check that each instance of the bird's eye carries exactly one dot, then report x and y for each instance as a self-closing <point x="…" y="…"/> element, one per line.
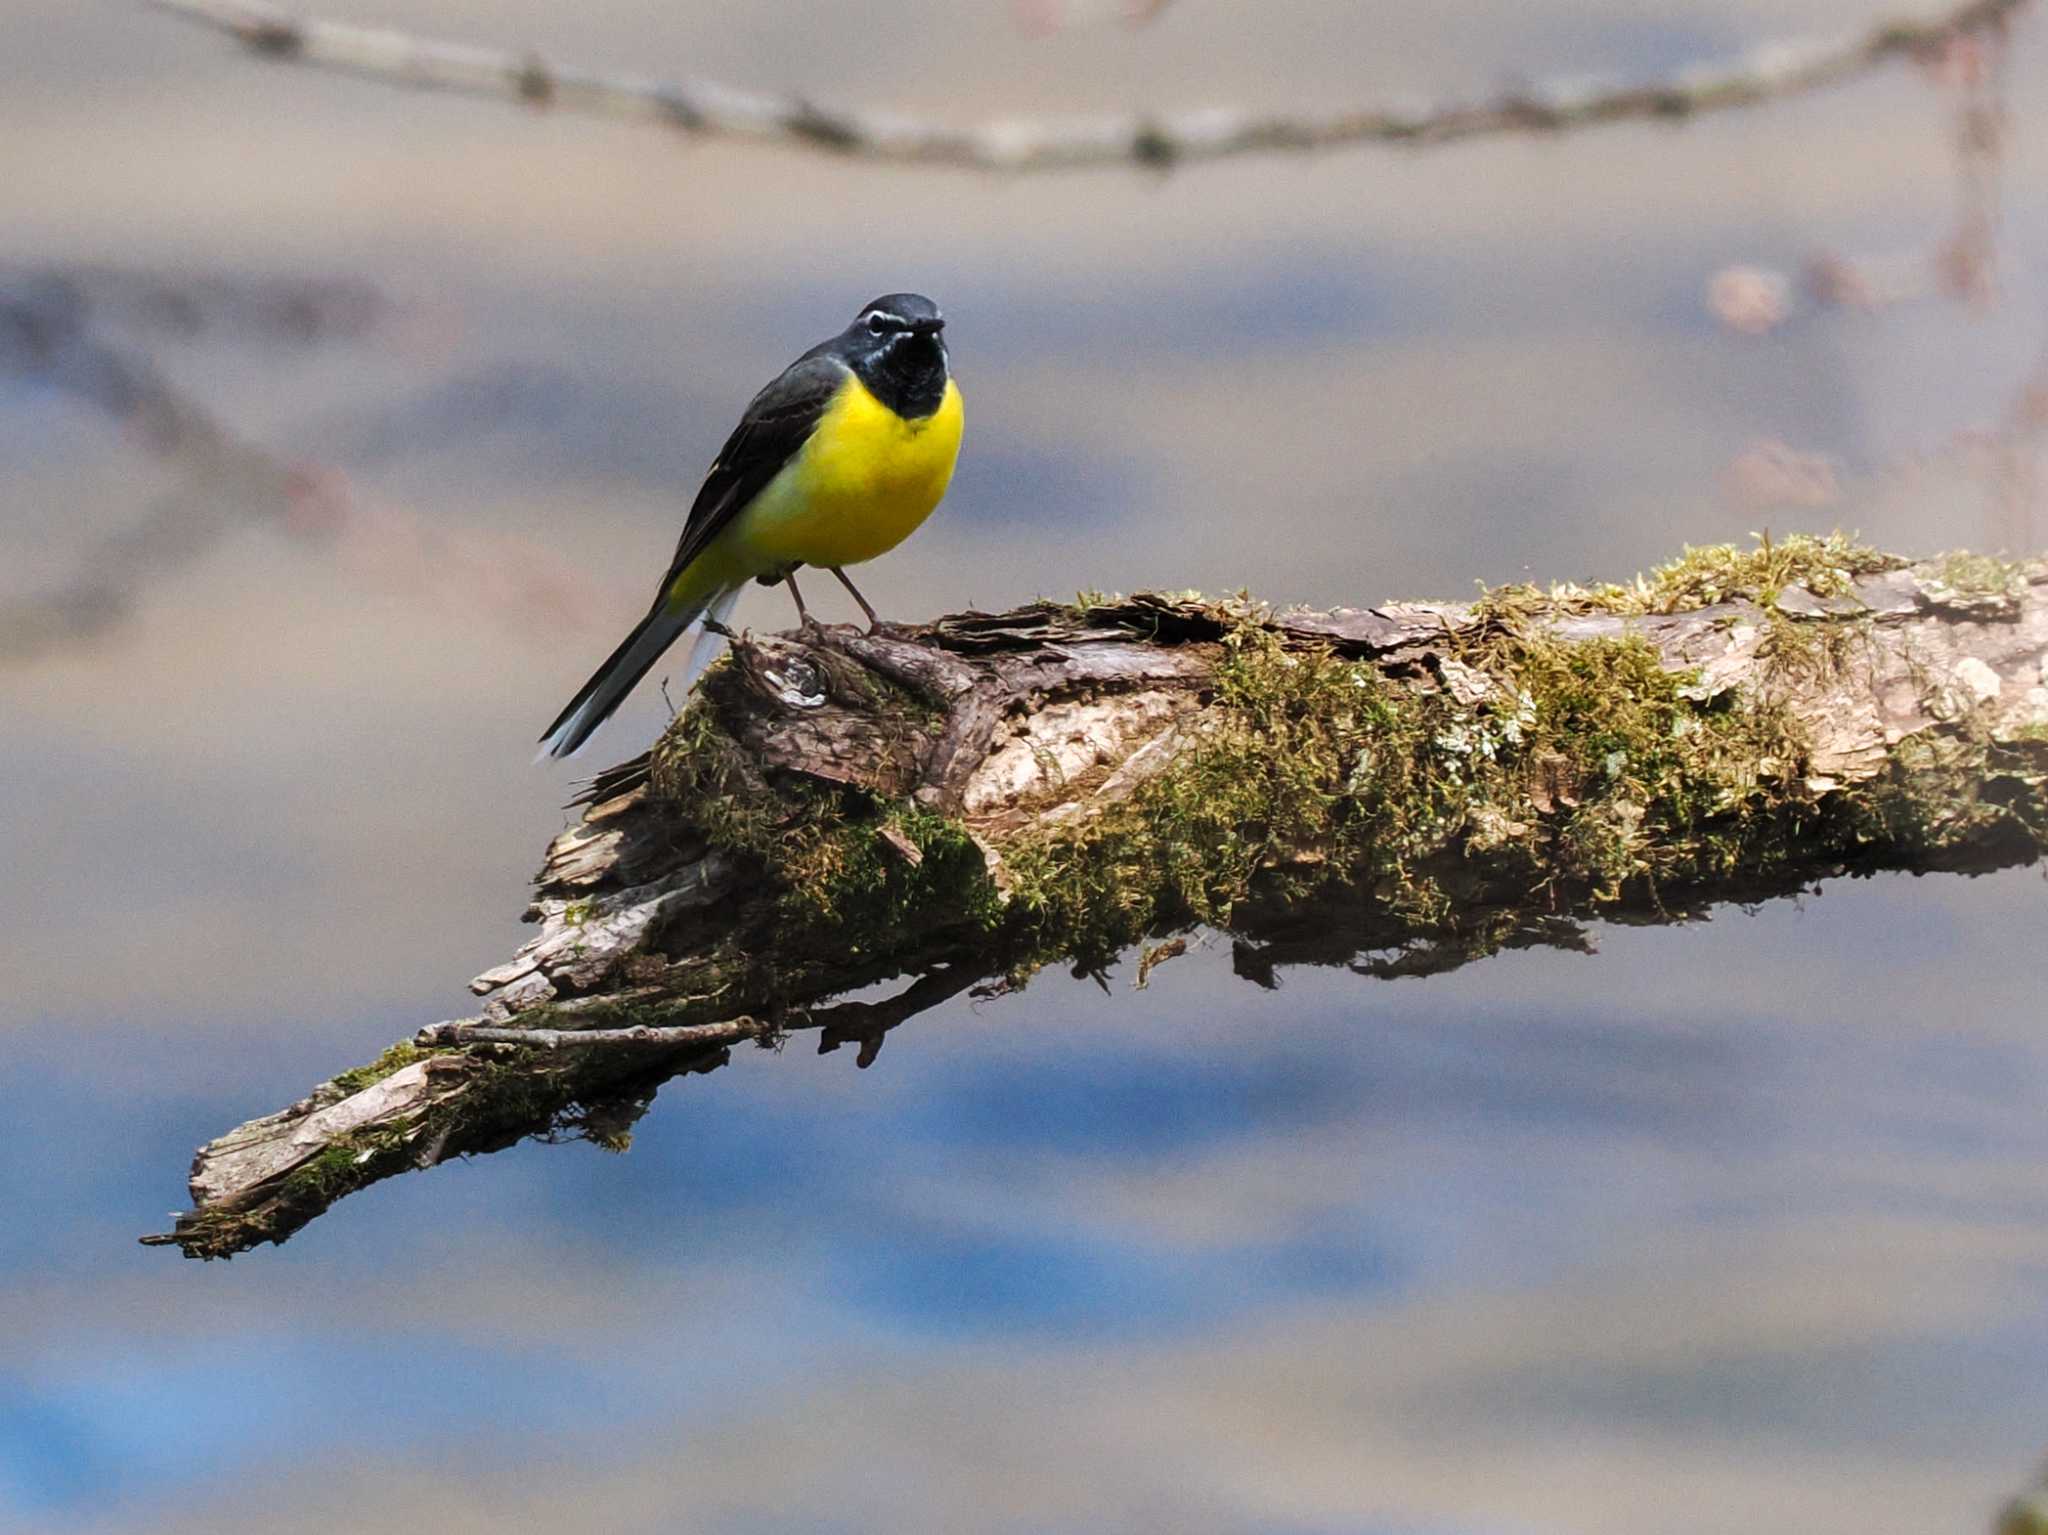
<point x="877" y="325"/>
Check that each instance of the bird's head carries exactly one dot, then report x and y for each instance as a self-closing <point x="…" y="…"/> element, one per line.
<point x="898" y="314"/>
<point x="896" y="347"/>
<point x="898" y="331"/>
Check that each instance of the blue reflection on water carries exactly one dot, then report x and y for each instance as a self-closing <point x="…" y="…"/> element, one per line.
<point x="1131" y="1174"/>
<point x="1134" y="1102"/>
<point x="953" y="1283"/>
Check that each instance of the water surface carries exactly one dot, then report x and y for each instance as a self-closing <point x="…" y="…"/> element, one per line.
<point x="1730" y="1227"/>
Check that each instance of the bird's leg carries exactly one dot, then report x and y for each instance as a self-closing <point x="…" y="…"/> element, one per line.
<point x="803" y="614"/>
<point x="874" y="623"/>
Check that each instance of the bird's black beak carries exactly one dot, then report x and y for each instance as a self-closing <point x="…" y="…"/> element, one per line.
<point x="930" y="327"/>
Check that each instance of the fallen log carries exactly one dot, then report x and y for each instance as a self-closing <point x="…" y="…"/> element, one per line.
<point x="1400" y="789"/>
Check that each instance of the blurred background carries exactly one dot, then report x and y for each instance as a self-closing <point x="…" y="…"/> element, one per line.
<point x="344" y="429"/>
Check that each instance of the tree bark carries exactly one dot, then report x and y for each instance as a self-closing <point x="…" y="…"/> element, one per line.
<point x="1400" y="789"/>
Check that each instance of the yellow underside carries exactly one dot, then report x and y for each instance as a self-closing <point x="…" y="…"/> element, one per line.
<point x="863" y="482"/>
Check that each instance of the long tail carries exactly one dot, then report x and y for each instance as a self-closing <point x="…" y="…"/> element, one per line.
<point x="609" y="685"/>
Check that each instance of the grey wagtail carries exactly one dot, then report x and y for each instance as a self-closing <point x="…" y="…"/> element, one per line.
<point x="838" y="461"/>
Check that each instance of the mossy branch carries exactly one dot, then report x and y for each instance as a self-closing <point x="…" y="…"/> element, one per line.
<point x="1400" y="789"/>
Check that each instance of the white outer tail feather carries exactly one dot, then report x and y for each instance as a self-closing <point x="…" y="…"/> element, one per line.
<point x="705" y="648"/>
<point x="660" y="632"/>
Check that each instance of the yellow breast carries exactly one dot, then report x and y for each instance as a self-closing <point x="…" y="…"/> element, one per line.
<point x="861" y="485"/>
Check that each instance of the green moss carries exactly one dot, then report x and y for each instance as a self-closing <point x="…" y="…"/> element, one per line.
<point x="504" y="1096"/>
<point x="342" y="1166"/>
<point x="714" y="784"/>
<point x="1817" y="649"/>
<point x="397" y="1058"/>
<point x="1980" y="575"/>
<point x="1715" y="573"/>
<point x="1944" y="795"/>
<point x="2025" y="1515"/>
<point x="1586" y="771"/>
<point x="337" y="1169"/>
<point x="1825" y="565"/>
<point x="1263" y="794"/>
<point x="1670" y="788"/>
<point x="846" y="893"/>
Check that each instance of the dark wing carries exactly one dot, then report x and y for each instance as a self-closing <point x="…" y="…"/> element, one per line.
<point x="778" y="421"/>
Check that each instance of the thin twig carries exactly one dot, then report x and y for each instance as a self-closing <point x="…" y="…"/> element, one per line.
<point x="224" y="481"/>
<point x="55" y="336"/>
<point x="707" y="109"/>
<point x="729" y="1032"/>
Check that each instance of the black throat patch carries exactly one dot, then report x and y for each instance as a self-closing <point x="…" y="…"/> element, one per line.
<point x="906" y="372"/>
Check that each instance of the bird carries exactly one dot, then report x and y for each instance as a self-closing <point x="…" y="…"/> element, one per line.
<point x="838" y="460"/>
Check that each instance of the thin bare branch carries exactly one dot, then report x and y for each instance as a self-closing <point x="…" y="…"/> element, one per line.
<point x="223" y="481"/>
<point x="683" y="1036"/>
<point x="55" y="335"/>
<point x="704" y="109"/>
<point x="253" y="307"/>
